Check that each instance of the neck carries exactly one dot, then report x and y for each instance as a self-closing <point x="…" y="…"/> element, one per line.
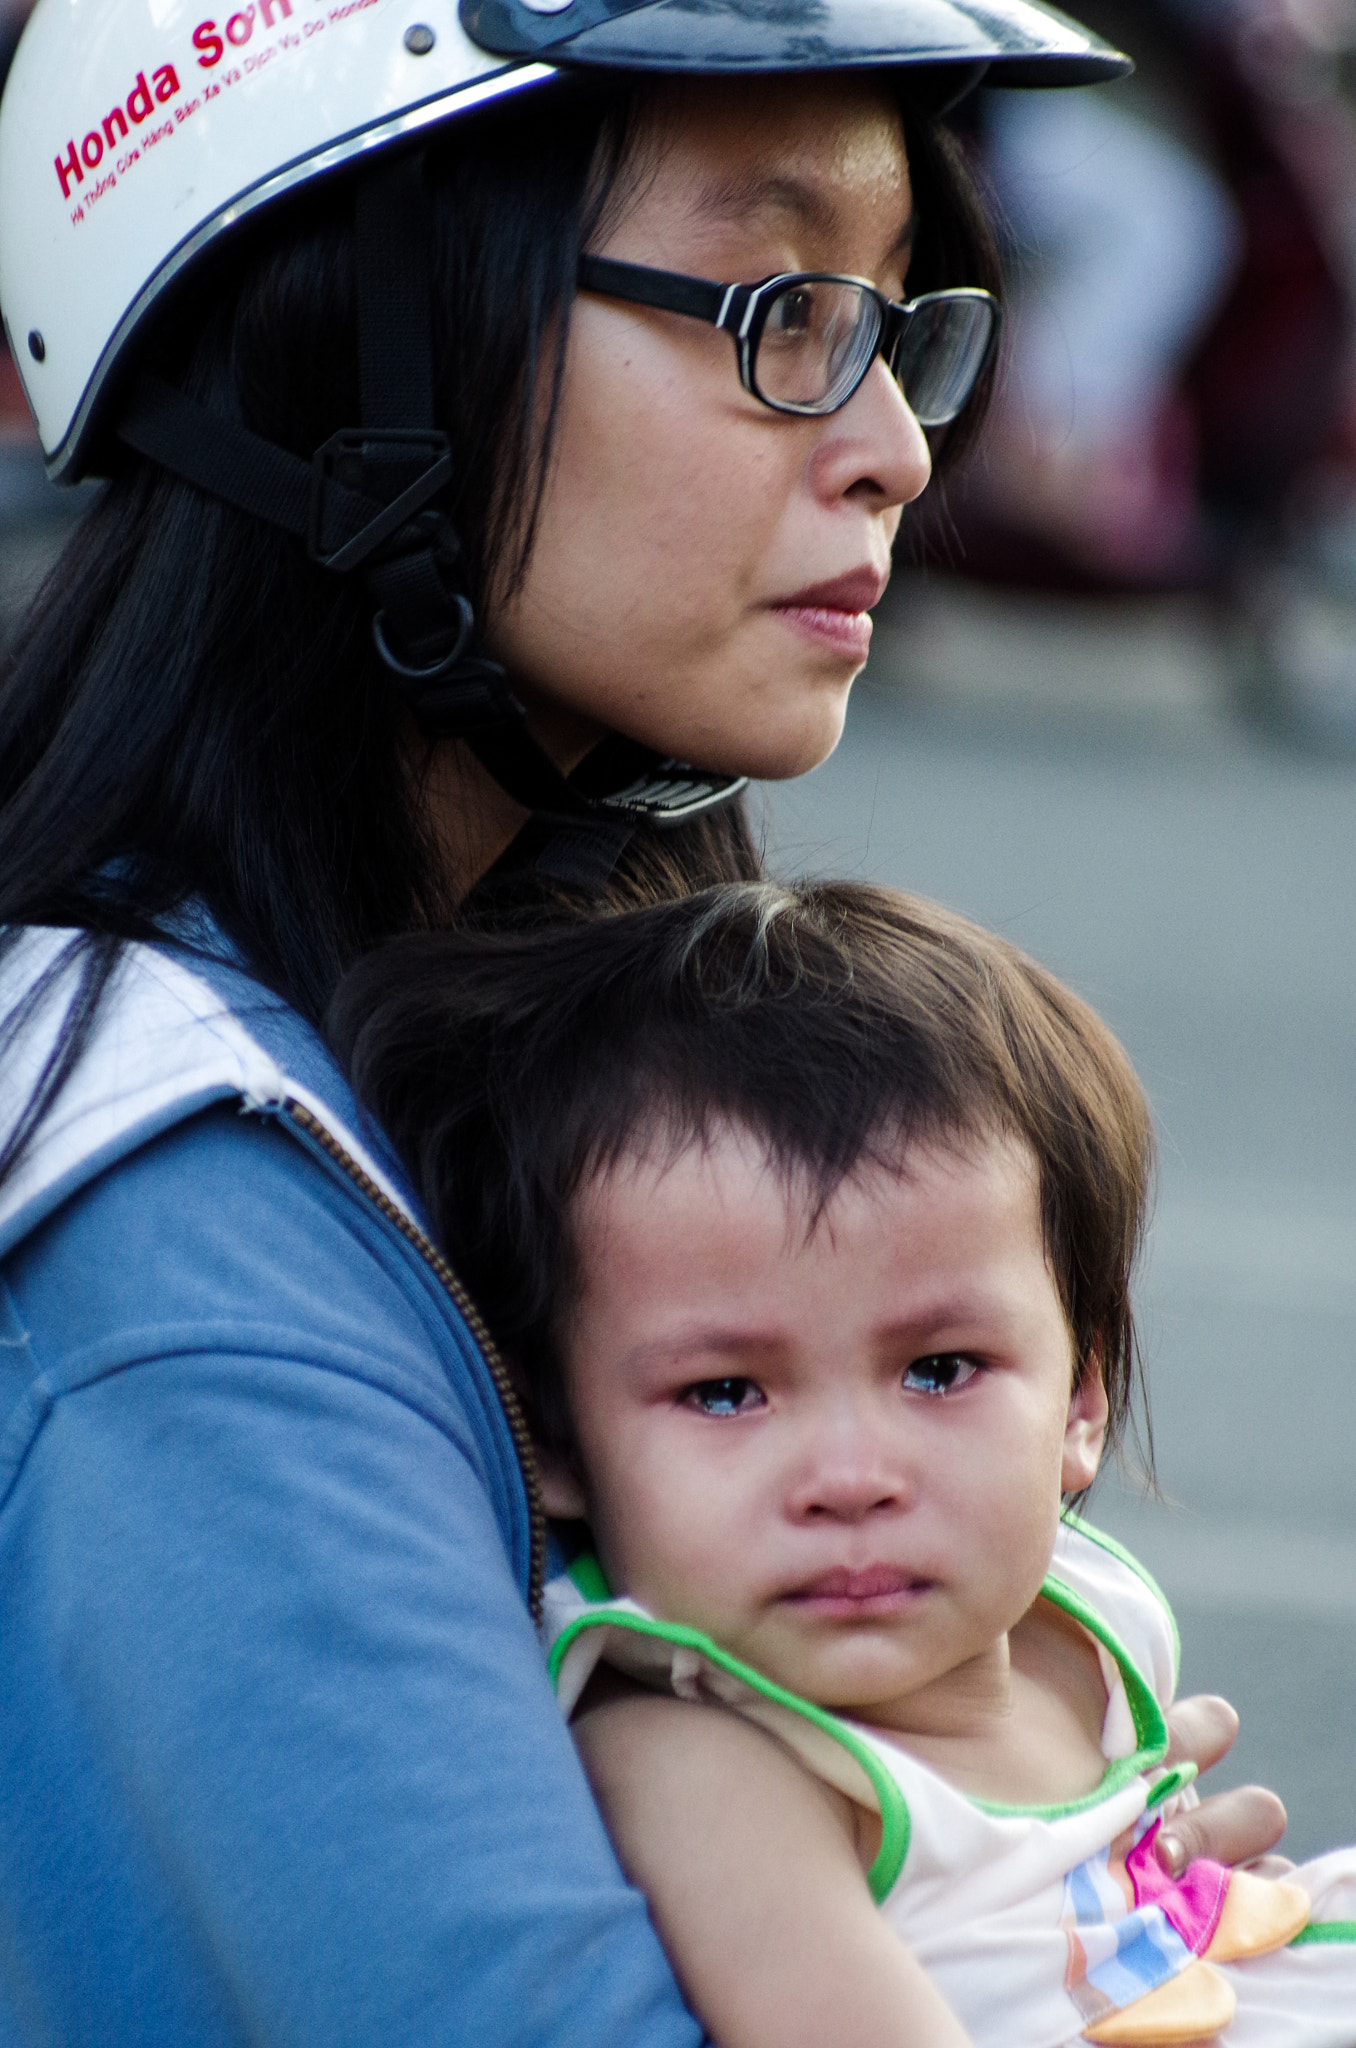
<point x="1020" y="1723"/>
<point x="966" y="1704"/>
<point x="472" y="820"/>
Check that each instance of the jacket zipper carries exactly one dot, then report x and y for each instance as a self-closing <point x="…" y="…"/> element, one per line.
<point x="475" y="1322"/>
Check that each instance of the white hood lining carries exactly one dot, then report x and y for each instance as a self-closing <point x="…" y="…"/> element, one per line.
<point x="164" y="1046"/>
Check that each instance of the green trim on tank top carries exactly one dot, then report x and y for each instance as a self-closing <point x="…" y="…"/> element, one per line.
<point x="1151" y="1731"/>
<point x="587" y="1574"/>
<point x="1321" y="1933"/>
<point x="1146" y="1578"/>
<point x="894" y="1809"/>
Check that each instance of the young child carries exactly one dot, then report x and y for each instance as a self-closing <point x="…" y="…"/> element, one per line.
<point x="807" y="1218"/>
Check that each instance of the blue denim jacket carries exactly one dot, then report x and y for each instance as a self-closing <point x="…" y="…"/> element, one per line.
<point x="279" y="1761"/>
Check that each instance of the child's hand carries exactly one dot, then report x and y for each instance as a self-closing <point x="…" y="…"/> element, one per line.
<point x="1229" y="1827"/>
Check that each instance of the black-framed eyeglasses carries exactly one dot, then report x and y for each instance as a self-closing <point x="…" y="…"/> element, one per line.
<point x="806" y="339"/>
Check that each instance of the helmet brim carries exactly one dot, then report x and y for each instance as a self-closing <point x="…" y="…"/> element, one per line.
<point x="1014" y="42"/>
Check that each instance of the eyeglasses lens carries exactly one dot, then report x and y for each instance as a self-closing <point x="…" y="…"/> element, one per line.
<point x="818" y="337"/>
<point x="941" y="353"/>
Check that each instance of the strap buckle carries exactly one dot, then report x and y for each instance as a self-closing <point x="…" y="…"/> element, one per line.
<point x="362" y="467"/>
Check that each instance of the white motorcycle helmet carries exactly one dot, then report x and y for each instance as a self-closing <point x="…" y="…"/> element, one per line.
<point x="136" y="134"/>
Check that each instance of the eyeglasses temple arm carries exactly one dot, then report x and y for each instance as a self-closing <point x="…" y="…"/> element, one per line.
<point x="667" y="289"/>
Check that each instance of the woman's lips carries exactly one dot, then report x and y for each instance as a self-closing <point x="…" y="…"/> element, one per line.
<point x="875" y="1590"/>
<point x="836" y="614"/>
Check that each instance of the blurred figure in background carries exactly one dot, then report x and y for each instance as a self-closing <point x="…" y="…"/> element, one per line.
<point x="1125" y="243"/>
<point x="1178" y="403"/>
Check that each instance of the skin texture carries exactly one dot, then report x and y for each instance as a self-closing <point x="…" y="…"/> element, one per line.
<point x="682" y="518"/>
<point x="753" y="1873"/>
<point x="767" y="1457"/>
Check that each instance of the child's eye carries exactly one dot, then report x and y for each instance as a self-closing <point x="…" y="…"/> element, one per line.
<point x="943" y="1373"/>
<point x="724" y="1397"/>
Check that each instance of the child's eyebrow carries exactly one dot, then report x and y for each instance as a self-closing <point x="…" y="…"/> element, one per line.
<point x="712" y="1340"/>
<point x="946" y="1321"/>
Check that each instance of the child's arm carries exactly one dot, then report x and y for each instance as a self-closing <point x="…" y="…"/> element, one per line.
<point x="755" y="1882"/>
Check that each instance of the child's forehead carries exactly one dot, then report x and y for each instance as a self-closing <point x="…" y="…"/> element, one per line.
<point x="713" y="1248"/>
<point x="730" y="1158"/>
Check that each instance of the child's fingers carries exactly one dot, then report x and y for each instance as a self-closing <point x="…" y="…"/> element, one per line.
<point x="1272" y="1866"/>
<point x="1200" y="1730"/>
<point x="1232" y="1827"/>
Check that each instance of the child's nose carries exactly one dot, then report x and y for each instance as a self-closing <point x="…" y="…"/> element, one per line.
<point x="848" y="1477"/>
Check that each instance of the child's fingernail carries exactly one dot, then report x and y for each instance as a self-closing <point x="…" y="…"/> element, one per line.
<point x="1171" y="1854"/>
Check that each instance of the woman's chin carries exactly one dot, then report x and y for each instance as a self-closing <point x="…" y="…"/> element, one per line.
<point x="769" y="730"/>
<point x="776" y="749"/>
<point x="769" y="734"/>
<point x="785" y="767"/>
<point x="781" y="750"/>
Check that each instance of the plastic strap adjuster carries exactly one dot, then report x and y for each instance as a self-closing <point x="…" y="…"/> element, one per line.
<point x="344" y="466"/>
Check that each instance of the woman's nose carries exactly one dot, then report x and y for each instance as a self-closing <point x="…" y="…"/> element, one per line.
<point x="874" y="449"/>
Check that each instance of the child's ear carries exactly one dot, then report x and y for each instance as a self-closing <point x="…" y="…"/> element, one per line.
<point x="1085" y="1431"/>
<point x="562" y="1491"/>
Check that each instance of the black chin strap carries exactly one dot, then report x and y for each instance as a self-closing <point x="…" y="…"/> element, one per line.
<point x="373" y="500"/>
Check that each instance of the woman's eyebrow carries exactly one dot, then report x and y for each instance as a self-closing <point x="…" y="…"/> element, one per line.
<point x="736" y="197"/>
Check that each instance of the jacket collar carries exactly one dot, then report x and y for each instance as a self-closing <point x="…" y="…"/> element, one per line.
<point x="170" y="1038"/>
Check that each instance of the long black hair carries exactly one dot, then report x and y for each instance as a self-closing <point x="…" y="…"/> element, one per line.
<point x="192" y="707"/>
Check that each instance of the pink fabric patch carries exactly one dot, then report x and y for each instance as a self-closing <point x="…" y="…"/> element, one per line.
<point x="1192" y="1903"/>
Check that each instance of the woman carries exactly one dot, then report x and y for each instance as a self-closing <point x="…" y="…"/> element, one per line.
<point x="279" y="1756"/>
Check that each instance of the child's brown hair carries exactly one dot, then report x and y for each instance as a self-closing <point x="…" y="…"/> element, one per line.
<point x="836" y="1022"/>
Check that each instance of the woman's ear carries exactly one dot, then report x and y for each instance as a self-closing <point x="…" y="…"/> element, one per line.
<point x="562" y="1490"/>
<point x="1085" y="1431"/>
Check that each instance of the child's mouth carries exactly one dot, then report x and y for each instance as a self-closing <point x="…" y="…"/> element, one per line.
<point x="874" y="1589"/>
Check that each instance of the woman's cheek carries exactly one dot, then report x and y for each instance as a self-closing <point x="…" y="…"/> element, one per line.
<point x="635" y="575"/>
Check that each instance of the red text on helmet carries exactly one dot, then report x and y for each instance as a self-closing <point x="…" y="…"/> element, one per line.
<point x="113" y="129"/>
<point x="207" y="38"/>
